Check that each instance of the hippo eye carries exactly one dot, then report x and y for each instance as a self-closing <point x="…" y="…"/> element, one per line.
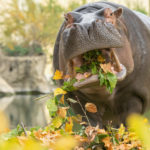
<point x="111" y="14"/>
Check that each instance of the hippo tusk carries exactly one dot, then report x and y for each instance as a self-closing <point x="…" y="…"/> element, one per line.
<point x="118" y="64"/>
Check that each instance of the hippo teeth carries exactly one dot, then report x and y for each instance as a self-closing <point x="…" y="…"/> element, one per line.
<point x="116" y="60"/>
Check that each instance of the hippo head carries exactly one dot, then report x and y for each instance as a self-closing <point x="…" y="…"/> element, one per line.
<point x="83" y="32"/>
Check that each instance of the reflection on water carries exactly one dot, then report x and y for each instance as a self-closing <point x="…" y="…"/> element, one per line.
<point x="23" y="108"/>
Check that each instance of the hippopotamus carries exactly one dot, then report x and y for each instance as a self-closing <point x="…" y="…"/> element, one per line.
<point x="126" y="33"/>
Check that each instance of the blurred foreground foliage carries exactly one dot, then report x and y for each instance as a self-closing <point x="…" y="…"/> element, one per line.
<point x="68" y="131"/>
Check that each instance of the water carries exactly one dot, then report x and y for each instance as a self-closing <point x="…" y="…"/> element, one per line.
<point x="23" y="108"/>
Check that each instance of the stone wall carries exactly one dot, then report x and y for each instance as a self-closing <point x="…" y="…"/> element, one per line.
<point x="24" y="74"/>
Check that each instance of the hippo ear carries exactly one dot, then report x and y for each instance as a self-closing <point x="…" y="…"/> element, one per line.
<point x="118" y="12"/>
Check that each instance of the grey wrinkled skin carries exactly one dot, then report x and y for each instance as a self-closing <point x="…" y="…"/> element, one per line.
<point x="132" y="42"/>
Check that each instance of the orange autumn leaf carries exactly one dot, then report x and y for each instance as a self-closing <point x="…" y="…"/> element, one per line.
<point x="107" y="142"/>
<point x="62" y="99"/>
<point x="67" y="76"/>
<point x="90" y="107"/>
<point x="58" y="75"/>
<point x="106" y="67"/>
<point x="62" y="112"/>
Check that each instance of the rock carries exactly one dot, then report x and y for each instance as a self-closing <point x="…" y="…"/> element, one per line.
<point x="25" y="74"/>
<point x="5" y="87"/>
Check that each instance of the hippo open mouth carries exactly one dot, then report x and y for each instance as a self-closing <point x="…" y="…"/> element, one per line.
<point x="109" y="59"/>
<point x="81" y="35"/>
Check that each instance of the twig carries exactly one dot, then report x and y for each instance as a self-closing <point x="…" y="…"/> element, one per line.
<point x="83" y="111"/>
<point x="24" y="129"/>
<point x="41" y="97"/>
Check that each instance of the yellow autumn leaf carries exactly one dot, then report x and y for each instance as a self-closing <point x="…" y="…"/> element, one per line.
<point x="65" y="143"/>
<point x="100" y="59"/>
<point x="32" y="145"/>
<point x="121" y="130"/>
<point x="57" y="122"/>
<point x="58" y="75"/>
<point x="59" y="91"/>
<point x="4" y="126"/>
<point x="69" y="125"/>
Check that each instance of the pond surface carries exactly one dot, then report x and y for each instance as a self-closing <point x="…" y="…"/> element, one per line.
<point x="24" y="108"/>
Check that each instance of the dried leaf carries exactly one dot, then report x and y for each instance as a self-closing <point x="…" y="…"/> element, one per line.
<point x="106" y="67"/>
<point x="91" y="132"/>
<point x="80" y="76"/>
<point x="58" y="75"/>
<point x="107" y="142"/>
<point x="81" y="139"/>
<point x="90" y="107"/>
<point x="72" y="100"/>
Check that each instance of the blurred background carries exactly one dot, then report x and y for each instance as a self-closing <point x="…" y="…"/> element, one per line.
<point x="28" y="29"/>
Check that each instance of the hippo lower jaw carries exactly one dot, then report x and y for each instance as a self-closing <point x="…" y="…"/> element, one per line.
<point x="92" y="80"/>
